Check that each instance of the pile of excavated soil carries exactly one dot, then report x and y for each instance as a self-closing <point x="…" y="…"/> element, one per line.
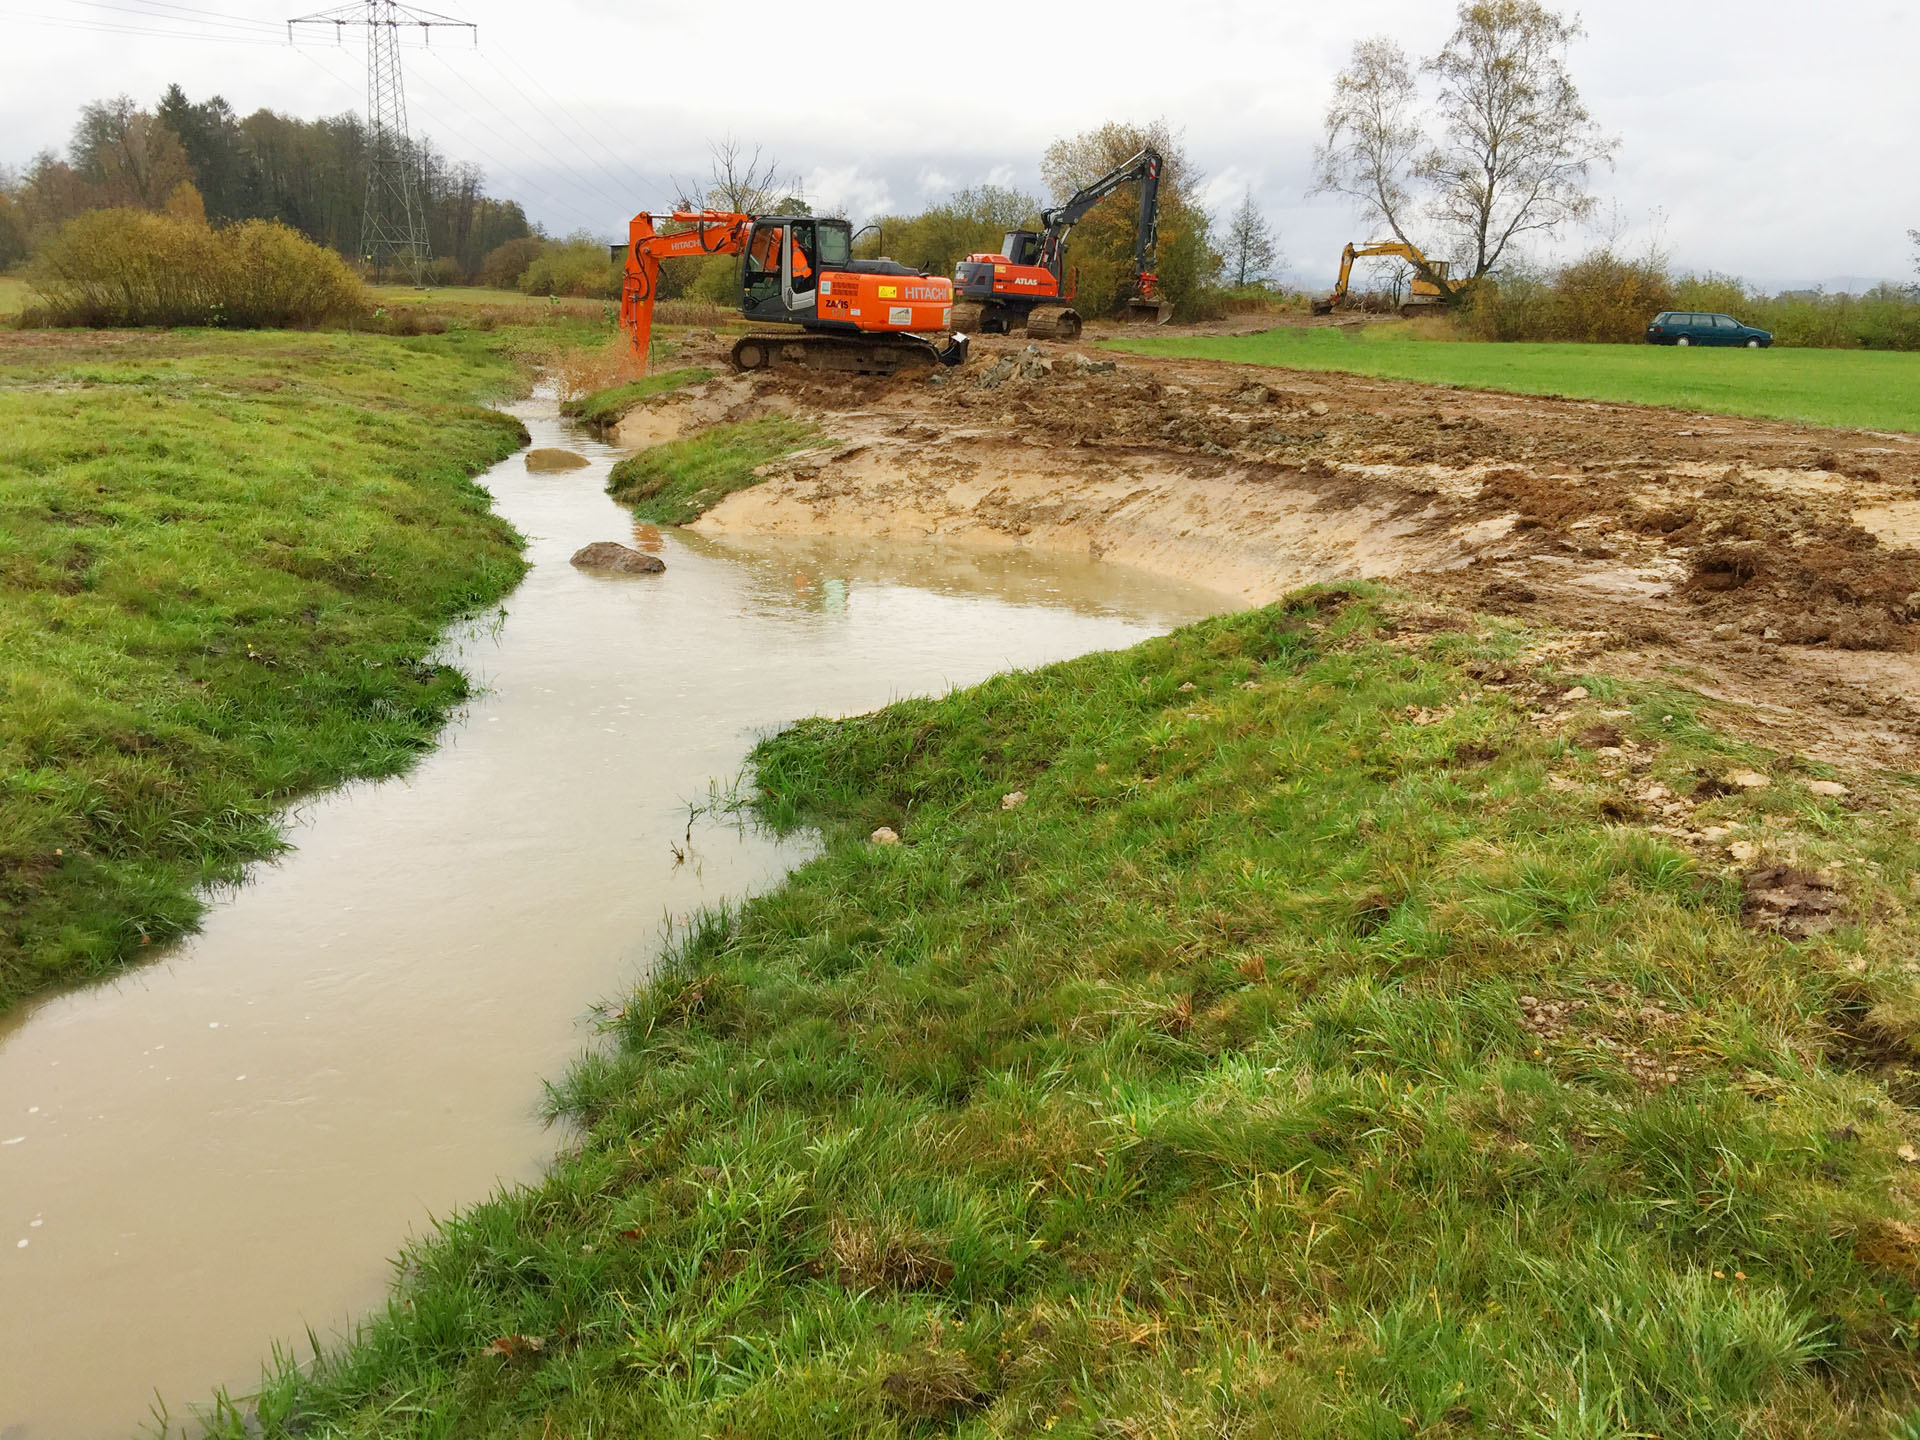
<point x="1771" y="564"/>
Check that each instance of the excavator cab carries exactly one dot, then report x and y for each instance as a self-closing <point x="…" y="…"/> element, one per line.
<point x="780" y="270"/>
<point x="1021" y="247"/>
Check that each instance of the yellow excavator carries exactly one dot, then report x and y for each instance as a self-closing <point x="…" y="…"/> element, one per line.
<point x="1430" y="290"/>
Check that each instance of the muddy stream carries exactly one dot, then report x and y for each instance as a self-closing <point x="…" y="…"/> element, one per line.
<point x="226" y="1146"/>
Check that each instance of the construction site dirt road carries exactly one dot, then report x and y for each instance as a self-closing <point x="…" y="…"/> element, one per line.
<point x="1770" y="566"/>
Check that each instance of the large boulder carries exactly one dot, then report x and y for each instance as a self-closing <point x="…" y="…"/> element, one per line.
<point x="540" y="461"/>
<point x="610" y="557"/>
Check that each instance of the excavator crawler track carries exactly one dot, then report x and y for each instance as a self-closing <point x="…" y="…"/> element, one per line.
<point x="1053" y="322"/>
<point x="967" y="317"/>
<point x="853" y="354"/>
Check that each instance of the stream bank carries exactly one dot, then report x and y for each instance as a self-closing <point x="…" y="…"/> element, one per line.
<point x="222" y="1148"/>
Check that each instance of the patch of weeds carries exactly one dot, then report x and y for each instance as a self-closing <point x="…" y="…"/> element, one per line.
<point x="605" y="407"/>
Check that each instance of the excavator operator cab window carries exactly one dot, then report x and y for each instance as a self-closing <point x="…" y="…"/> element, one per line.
<point x="763" y="263"/>
<point x="1021" y="247"/>
<point x="836" y="244"/>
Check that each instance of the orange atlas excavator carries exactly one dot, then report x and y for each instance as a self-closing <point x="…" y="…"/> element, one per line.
<point x="870" y="317"/>
<point x="1026" y="285"/>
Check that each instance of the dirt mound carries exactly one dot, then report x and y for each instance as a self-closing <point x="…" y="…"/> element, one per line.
<point x="1765" y="561"/>
<point x="1803" y="580"/>
<point x="1792" y="902"/>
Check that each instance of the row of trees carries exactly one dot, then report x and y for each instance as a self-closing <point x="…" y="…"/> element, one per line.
<point x="307" y="174"/>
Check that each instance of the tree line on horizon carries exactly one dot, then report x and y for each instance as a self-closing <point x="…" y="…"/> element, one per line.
<point x="201" y="158"/>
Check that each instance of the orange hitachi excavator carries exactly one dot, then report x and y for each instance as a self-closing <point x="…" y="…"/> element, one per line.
<point x="867" y="316"/>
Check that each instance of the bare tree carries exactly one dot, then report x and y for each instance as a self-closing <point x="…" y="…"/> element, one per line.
<point x="1250" y="249"/>
<point x="1515" y="142"/>
<point x="743" y="183"/>
<point x="1374" y="138"/>
<point x="1914" y="236"/>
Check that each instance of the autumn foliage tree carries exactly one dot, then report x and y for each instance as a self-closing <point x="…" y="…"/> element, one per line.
<point x="1102" y="245"/>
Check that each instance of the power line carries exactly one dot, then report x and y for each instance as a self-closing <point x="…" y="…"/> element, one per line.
<point x="188" y="16"/>
<point x="564" y="164"/>
<point x="515" y="174"/>
<point x="480" y="121"/>
<point x="633" y="178"/>
<point x="103" y="27"/>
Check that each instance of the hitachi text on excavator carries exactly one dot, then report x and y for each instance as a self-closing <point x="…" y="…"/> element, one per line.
<point x="865" y="316"/>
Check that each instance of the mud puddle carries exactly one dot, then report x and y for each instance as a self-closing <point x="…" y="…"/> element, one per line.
<point x="227" y="1146"/>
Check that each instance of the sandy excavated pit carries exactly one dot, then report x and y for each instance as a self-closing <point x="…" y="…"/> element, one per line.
<point x="1768" y="564"/>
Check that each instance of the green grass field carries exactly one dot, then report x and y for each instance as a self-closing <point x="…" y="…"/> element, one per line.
<point x="223" y="559"/>
<point x="1875" y="390"/>
<point x="1321" y="1048"/>
<point x="13" y="296"/>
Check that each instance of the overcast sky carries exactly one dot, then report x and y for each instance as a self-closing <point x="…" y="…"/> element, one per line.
<point x="1764" y="138"/>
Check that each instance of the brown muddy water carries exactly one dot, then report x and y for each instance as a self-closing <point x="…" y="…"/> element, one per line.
<point x="223" y="1148"/>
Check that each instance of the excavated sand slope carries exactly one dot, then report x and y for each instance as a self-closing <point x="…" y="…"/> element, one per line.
<point x="1770" y="564"/>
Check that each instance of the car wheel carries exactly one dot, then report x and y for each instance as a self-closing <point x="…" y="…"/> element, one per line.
<point x="1684" y="340"/>
<point x="1753" y="344"/>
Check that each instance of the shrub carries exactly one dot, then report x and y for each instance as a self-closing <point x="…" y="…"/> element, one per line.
<point x="130" y="267"/>
<point x="579" y="267"/>
<point x="505" y="264"/>
<point x="1602" y="297"/>
<point x="1599" y="298"/>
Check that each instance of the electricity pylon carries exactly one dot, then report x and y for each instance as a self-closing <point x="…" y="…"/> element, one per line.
<point x="393" y="226"/>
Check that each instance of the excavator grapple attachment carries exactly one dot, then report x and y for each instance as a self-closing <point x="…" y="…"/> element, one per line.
<point x="1142" y="311"/>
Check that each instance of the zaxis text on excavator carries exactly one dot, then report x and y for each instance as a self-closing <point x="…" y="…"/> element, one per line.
<point x="1026" y="286"/>
<point x="866" y="316"/>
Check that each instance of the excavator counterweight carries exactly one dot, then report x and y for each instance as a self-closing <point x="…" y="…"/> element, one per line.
<point x="866" y="316"/>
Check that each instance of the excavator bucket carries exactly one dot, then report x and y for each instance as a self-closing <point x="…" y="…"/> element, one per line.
<point x="1142" y="311"/>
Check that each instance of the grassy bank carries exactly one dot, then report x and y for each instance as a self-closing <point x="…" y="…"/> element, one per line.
<point x="605" y="407"/>
<point x="1871" y="389"/>
<point x="1325" y="1045"/>
<point x="223" y="559"/>
<point x="13" y="296"/>
<point x="679" y="481"/>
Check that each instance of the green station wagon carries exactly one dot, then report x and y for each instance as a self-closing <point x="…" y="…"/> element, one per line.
<point x="1694" y="327"/>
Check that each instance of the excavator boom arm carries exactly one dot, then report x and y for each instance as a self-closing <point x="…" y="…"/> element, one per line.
<point x="1144" y="167"/>
<point x="704" y="232"/>
<point x="1434" y="273"/>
